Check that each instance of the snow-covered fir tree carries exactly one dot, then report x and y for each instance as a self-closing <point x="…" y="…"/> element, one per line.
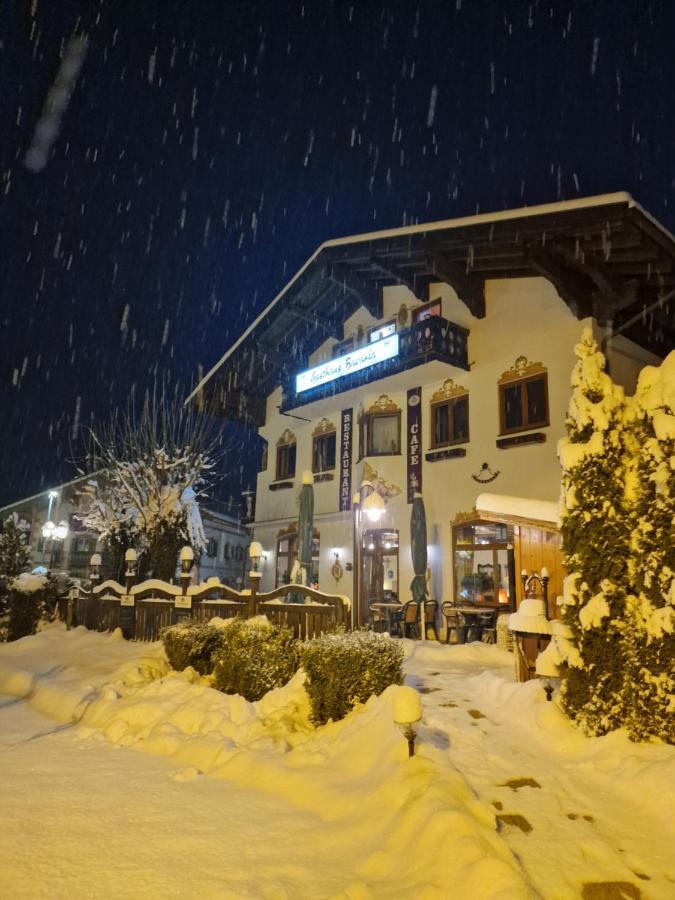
<point x="14" y="551"/>
<point x="595" y="537"/>
<point x="650" y="618"/>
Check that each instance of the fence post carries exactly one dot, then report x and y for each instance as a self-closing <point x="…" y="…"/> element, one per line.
<point x="253" y="599"/>
<point x="127" y="603"/>
<point x="182" y="606"/>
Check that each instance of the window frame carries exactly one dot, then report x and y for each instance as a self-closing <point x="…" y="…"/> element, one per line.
<point x="325" y="435"/>
<point x="526" y="424"/>
<point x="450" y="402"/>
<point x="292" y="537"/>
<point x="426" y="311"/>
<point x="286" y="474"/>
<point x="365" y="433"/>
<point x="390" y="323"/>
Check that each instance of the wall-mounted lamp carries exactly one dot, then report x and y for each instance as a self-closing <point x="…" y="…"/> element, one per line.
<point x="407" y="712"/>
<point x="374" y="507"/>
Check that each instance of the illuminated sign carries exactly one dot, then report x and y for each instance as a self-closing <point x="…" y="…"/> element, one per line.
<point x="387" y="348"/>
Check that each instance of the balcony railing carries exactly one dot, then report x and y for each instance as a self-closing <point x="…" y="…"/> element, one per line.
<point x="433" y="339"/>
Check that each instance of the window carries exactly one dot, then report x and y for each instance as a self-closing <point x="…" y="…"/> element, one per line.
<point x="450" y="422"/>
<point x="381" y="331"/>
<point x="380" y="434"/>
<point x="523" y="401"/>
<point x="420" y="313"/>
<point x="323" y="452"/>
<point x="287" y="552"/>
<point x="343" y="347"/>
<point x="285" y="456"/>
<point x="212" y="548"/>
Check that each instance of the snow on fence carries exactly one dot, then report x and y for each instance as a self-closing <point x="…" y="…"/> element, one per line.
<point x="143" y="610"/>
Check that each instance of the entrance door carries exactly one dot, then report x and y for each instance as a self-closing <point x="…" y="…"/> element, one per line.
<point x="379" y="569"/>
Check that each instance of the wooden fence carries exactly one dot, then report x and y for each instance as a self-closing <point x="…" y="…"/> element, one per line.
<point x="142" y="610"/>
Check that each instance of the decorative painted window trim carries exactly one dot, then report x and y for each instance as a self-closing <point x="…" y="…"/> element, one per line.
<point x="523" y="372"/>
<point x="384" y="406"/>
<point x="447" y="395"/>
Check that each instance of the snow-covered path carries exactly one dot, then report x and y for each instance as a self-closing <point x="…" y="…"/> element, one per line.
<point x="231" y="799"/>
<point x="92" y="819"/>
<point x="575" y="811"/>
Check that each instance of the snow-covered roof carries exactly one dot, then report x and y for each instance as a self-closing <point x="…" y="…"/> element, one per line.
<point x="345" y="273"/>
<point x="518" y="507"/>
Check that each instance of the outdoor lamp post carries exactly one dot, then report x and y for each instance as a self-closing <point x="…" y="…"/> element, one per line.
<point x="130" y="558"/>
<point x="255" y="551"/>
<point x="95" y="566"/>
<point x="187" y="556"/>
<point x="407" y="712"/>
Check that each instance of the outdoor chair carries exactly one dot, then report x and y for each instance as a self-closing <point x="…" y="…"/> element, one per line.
<point x="377" y="618"/>
<point x="411" y="620"/>
<point x="488" y="627"/>
<point x="452" y="622"/>
<point x="430" y="612"/>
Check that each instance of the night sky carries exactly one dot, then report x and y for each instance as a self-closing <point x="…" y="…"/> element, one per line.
<point x="208" y="147"/>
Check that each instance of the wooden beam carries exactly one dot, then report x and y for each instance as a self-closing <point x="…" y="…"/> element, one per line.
<point x="574" y="289"/>
<point x="615" y="294"/>
<point x="367" y="294"/>
<point x="469" y="287"/>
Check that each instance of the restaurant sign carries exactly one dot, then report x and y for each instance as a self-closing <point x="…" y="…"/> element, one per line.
<point x="414" y="434"/>
<point x="379" y="351"/>
<point x="346" y="433"/>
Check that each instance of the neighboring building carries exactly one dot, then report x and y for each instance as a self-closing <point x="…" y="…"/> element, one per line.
<point x="71" y="546"/>
<point x="437" y="358"/>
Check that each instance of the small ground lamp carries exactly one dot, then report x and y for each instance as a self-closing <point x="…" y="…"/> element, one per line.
<point x="546" y="668"/>
<point x="255" y="551"/>
<point x="407" y="712"/>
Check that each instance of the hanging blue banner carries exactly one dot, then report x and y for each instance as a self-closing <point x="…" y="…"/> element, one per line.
<point x="414" y="407"/>
<point x="346" y="436"/>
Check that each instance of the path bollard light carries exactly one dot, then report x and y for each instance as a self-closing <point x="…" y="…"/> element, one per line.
<point x="95" y="565"/>
<point x="407" y="712"/>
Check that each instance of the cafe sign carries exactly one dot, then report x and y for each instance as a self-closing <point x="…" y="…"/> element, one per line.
<point x="414" y="407"/>
<point x="363" y="358"/>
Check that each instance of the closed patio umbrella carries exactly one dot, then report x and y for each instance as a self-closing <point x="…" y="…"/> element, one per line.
<point x="418" y="550"/>
<point x="305" y="532"/>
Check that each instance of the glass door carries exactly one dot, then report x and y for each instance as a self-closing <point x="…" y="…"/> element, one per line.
<point x="379" y="570"/>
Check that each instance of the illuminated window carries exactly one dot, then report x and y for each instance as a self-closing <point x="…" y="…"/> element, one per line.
<point x="380" y="429"/>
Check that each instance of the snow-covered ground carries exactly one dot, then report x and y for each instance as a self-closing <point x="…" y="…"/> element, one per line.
<point x="232" y="799"/>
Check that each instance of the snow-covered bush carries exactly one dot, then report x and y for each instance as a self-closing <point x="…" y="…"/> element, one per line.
<point x="255" y="656"/>
<point x="650" y="619"/>
<point x="345" y="669"/>
<point x="192" y="643"/>
<point x="32" y="599"/>
<point x="595" y="539"/>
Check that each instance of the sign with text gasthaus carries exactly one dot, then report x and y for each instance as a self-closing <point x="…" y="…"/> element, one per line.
<point x="414" y="407"/>
<point x="370" y="355"/>
<point x="346" y="439"/>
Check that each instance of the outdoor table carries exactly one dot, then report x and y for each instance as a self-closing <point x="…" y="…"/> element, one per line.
<point x="388" y="609"/>
<point x="469" y="617"/>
